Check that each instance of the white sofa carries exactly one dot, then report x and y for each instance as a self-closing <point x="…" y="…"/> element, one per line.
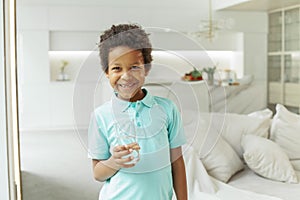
<point x="234" y="156"/>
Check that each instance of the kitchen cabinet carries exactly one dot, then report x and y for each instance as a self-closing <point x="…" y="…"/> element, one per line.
<point x="284" y="57"/>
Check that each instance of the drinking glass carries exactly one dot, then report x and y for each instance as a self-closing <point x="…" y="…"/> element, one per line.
<point x="126" y="134"/>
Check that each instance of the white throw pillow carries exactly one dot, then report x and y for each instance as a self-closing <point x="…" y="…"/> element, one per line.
<point x="285" y="131"/>
<point x="222" y="162"/>
<point x="236" y="125"/>
<point x="266" y="158"/>
<point x="266" y="113"/>
<point x="287" y="136"/>
<point x="284" y="114"/>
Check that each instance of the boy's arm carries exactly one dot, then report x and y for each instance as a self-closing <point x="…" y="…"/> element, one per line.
<point x="104" y="169"/>
<point x="178" y="173"/>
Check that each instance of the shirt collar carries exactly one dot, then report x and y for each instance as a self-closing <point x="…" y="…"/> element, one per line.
<point x="123" y="105"/>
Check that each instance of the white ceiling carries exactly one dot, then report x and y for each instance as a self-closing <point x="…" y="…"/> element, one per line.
<point x="255" y="5"/>
<point x="237" y="5"/>
<point x="117" y="3"/>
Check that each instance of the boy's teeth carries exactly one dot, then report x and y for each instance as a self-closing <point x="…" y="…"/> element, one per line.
<point x="126" y="85"/>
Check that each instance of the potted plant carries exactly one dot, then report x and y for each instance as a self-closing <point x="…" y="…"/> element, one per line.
<point x="62" y="76"/>
<point x="210" y="71"/>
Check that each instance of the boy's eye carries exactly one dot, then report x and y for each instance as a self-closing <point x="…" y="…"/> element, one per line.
<point x="135" y="67"/>
<point x="116" y="68"/>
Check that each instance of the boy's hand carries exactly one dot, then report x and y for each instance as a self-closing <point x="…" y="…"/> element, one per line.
<point x="121" y="155"/>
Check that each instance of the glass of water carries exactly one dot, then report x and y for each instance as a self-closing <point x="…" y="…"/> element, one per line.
<point x="127" y="136"/>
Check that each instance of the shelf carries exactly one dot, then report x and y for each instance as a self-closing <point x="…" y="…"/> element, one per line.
<point x="74" y="59"/>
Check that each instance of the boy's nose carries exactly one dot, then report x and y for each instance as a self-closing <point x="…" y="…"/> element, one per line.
<point x="126" y="74"/>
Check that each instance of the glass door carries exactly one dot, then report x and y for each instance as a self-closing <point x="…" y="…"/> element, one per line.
<point x="292" y="58"/>
<point x="275" y="32"/>
<point x="275" y="79"/>
<point x="292" y="30"/>
<point x="274" y="66"/>
<point x="292" y="68"/>
<point x="292" y="45"/>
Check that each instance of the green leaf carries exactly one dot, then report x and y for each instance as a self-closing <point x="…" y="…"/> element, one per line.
<point x="196" y="73"/>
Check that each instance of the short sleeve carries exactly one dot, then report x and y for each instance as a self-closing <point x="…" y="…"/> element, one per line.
<point x="175" y="128"/>
<point x="98" y="147"/>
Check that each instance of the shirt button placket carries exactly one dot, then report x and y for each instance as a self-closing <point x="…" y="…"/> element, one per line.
<point x="137" y="114"/>
<point x="139" y="124"/>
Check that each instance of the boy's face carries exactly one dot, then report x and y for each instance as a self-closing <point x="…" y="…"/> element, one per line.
<point x="126" y="72"/>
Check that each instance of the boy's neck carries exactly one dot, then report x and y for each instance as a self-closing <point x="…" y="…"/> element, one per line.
<point x="138" y="96"/>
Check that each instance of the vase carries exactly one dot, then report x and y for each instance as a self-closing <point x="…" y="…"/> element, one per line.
<point x="63" y="76"/>
<point x="210" y="78"/>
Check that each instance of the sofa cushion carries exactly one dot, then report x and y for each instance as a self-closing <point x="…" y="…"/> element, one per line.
<point x="267" y="159"/>
<point x="232" y="126"/>
<point x="287" y="136"/>
<point x="222" y="162"/>
<point x="285" y="131"/>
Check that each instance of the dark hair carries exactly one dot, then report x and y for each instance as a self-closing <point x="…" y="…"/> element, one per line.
<point x="130" y="35"/>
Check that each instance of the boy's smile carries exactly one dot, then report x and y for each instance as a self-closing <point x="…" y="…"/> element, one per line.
<point x="126" y="72"/>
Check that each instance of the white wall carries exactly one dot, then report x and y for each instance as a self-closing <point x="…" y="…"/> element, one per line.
<point x="48" y="105"/>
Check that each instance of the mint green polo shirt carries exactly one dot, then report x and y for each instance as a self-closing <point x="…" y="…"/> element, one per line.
<point x="157" y="124"/>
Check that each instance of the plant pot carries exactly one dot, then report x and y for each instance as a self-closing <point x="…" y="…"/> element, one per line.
<point x="63" y="77"/>
<point x="210" y="79"/>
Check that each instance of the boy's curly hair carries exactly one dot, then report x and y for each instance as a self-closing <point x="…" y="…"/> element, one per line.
<point x="130" y="35"/>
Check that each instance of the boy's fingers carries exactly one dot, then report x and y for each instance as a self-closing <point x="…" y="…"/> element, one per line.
<point x="133" y="145"/>
<point x="122" y="162"/>
<point x="122" y="153"/>
<point x="119" y="148"/>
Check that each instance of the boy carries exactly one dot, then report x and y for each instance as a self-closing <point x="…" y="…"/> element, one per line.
<point x="158" y="167"/>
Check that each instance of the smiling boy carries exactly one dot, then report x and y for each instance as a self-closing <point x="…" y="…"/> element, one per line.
<point x="126" y="73"/>
<point x="125" y="52"/>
